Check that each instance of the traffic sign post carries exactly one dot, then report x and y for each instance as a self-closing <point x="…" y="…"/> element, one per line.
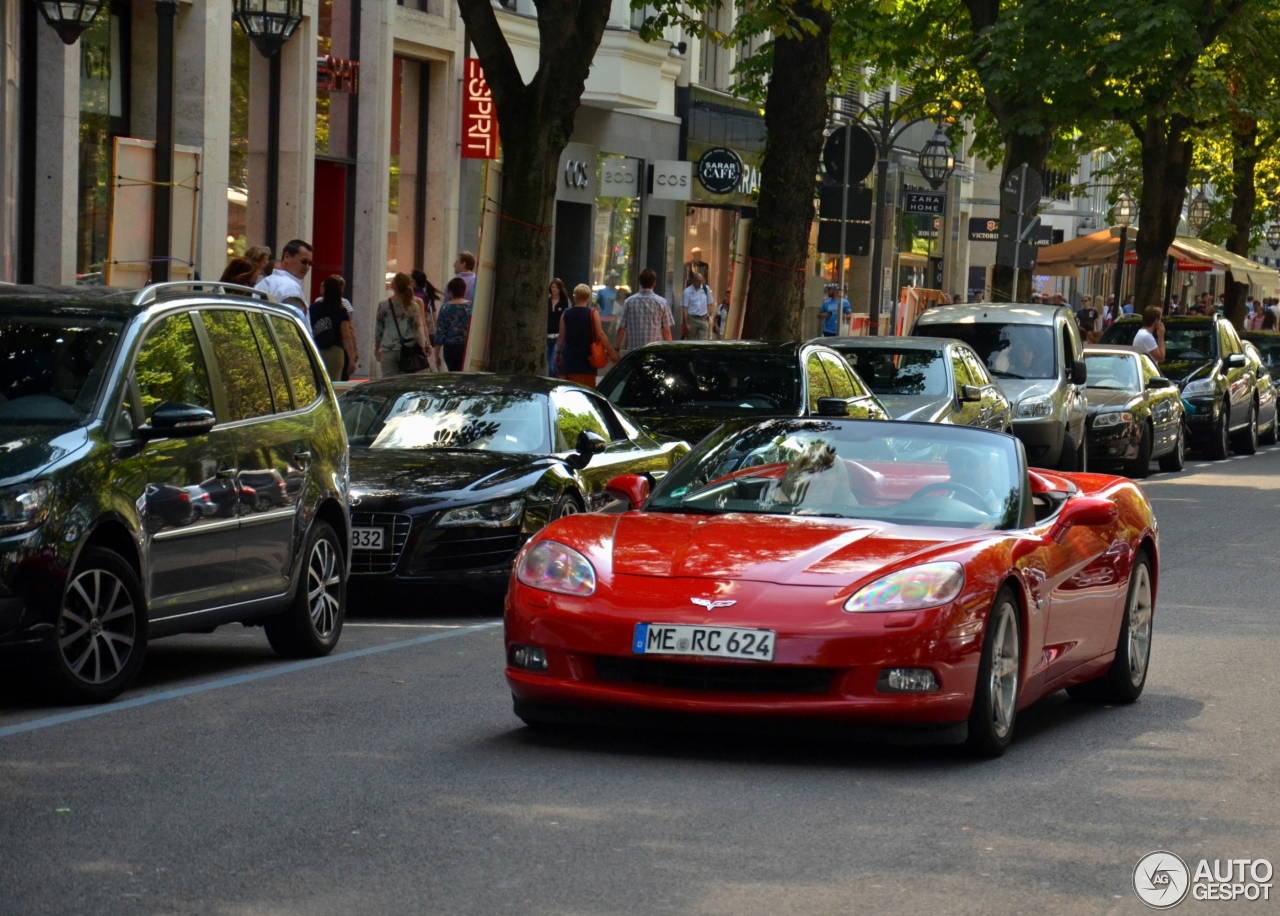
<point x="847" y="158"/>
<point x="1019" y="199"/>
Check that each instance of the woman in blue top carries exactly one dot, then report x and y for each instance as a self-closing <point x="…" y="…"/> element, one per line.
<point x="453" y="324"/>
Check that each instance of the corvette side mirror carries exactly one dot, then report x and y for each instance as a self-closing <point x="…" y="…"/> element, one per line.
<point x="632" y="489"/>
<point x="1089" y="511"/>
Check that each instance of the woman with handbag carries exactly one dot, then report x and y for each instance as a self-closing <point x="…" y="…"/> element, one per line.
<point x="454" y="324"/>
<point x="583" y="347"/>
<point x="399" y="331"/>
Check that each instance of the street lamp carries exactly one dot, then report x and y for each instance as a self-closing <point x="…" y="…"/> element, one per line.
<point x="269" y="24"/>
<point x="1273" y="235"/>
<point x="1198" y="213"/>
<point x="1122" y="216"/>
<point x="70" y="17"/>
<point x="937" y="161"/>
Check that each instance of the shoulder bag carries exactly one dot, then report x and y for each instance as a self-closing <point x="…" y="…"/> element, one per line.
<point x="412" y="357"/>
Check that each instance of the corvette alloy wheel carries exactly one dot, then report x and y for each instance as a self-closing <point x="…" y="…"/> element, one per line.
<point x="1141" y="611"/>
<point x="995" y="696"/>
<point x="1004" y="670"/>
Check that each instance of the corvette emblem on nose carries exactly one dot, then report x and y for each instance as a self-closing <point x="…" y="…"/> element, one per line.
<point x="712" y="605"/>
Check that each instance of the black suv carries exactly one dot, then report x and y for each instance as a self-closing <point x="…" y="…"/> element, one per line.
<point x="1219" y="387"/>
<point x="175" y="460"/>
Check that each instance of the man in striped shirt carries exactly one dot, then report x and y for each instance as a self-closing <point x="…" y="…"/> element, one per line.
<point x="645" y="316"/>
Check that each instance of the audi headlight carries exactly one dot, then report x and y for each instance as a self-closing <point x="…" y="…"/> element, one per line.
<point x="553" y="567"/>
<point x="1199" y="388"/>
<point x="1112" y="418"/>
<point x="1031" y="408"/>
<point x="25" y="506"/>
<point x="497" y="514"/>
<point x="910" y="589"/>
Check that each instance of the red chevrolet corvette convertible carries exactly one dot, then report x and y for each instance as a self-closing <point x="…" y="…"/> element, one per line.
<point x="844" y="571"/>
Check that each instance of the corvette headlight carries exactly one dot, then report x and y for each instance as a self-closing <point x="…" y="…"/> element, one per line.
<point x="1035" y="407"/>
<point x="498" y="514"/>
<point x="25" y="506"/>
<point x="910" y="589"/>
<point x="553" y="567"/>
<point x="1199" y="388"/>
<point x="1112" y="418"/>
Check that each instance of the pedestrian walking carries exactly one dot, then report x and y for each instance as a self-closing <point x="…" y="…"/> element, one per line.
<point x="285" y="284"/>
<point x="695" y="308"/>
<point x="332" y="330"/>
<point x="399" y="326"/>
<point x="240" y="271"/>
<point x="429" y="300"/>
<point x="1268" y="320"/>
<point x="580" y="327"/>
<point x="260" y="257"/>
<point x="557" y="302"/>
<point x="454" y="324"/>
<point x="722" y="316"/>
<point x="1087" y="316"/>
<point x="833" y="306"/>
<point x="645" y="316"/>
<point x="607" y="300"/>
<point x="464" y="266"/>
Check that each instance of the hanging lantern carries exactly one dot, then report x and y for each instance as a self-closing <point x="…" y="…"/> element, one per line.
<point x="1273" y="236"/>
<point x="70" y="17"/>
<point x="268" y="23"/>
<point x="937" y="161"/>
<point x="1122" y="213"/>
<point x="1199" y="213"/>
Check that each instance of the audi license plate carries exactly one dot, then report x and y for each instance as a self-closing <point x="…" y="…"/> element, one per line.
<point x="721" y="642"/>
<point x="366" y="538"/>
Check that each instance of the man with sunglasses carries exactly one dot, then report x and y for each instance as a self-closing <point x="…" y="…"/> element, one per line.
<point x="284" y="283"/>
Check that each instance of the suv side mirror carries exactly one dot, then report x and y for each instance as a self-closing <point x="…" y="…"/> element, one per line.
<point x="589" y="444"/>
<point x="178" y="421"/>
<point x="632" y="489"/>
<point x="1079" y="372"/>
<point x="1159" y="382"/>
<point x="833" y="407"/>
<point x="970" y="394"/>
<point x="1236" y="361"/>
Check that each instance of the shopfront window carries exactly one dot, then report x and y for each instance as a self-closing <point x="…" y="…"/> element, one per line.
<point x="406" y="202"/>
<point x="103" y="116"/>
<point x="337" y="79"/>
<point x="238" y="160"/>
<point x="710" y="234"/>
<point x="616" y="244"/>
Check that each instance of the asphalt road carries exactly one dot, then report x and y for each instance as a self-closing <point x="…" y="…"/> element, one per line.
<point x="393" y="778"/>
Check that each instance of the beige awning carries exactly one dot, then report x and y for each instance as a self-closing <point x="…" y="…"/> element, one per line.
<point x="1242" y="269"/>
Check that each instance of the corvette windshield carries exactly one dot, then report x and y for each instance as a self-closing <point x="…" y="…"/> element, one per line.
<point x="706" y="379"/>
<point x="505" y="421"/>
<point x="908" y="474"/>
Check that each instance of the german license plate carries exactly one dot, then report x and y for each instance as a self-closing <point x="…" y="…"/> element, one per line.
<point x="366" y="538"/>
<point x="720" y="642"/>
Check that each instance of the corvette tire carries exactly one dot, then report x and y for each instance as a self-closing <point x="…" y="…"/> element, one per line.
<point x="995" y="696"/>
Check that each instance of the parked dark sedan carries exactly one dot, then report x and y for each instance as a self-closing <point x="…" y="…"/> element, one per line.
<point x="450" y="474"/>
<point x="928" y="380"/>
<point x="1219" y="389"/>
<point x="1135" y="414"/>
<point x="686" y="389"/>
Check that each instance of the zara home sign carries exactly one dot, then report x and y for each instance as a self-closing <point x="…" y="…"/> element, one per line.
<point x="479" y="119"/>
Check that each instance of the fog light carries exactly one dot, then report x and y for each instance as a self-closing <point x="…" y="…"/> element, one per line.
<point x="907" y="680"/>
<point x="531" y="658"/>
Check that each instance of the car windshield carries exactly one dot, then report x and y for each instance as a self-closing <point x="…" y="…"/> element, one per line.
<point x="710" y="378"/>
<point x="1009" y="350"/>
<point x="506" y="421"/>
<point x="904" y="473"/>
<point x="52" y="368"/>
<point x="1183" y="343"/>
<point x="899" y="371"/>
<point x="1116" y="372"/>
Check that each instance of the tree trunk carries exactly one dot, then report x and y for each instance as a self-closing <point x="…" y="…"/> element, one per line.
<point x="795" y="114"/>
<point x="1032" y="149"/>
<point x="535" y="122"/>
<point x="1244" y="164"/>
<point x="1166" y="161"/>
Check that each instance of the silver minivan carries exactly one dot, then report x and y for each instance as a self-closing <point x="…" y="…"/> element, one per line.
<point x="1035" y="353"/>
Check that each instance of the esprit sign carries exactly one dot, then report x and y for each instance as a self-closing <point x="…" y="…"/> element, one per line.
<point x="337" y="74"/>
<point x="479" y="118"/>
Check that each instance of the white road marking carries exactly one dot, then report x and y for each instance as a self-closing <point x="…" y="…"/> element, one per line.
<point x="409" y="626"/>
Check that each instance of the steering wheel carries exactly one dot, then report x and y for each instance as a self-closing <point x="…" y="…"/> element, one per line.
<point x="967" y="495"/>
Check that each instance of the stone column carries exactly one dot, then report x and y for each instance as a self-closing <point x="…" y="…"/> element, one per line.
<point x="57" y="158"/>
<point x="202" y="106"/>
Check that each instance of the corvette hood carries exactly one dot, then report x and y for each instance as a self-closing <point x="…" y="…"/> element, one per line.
<point x="917" y="408"/>
<point x="764" y="548"/>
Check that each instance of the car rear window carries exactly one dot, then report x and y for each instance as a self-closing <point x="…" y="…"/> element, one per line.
<point x="902" y="372"/>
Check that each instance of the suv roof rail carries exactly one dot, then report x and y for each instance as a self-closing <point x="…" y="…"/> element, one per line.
<point x="154" y="292"/>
